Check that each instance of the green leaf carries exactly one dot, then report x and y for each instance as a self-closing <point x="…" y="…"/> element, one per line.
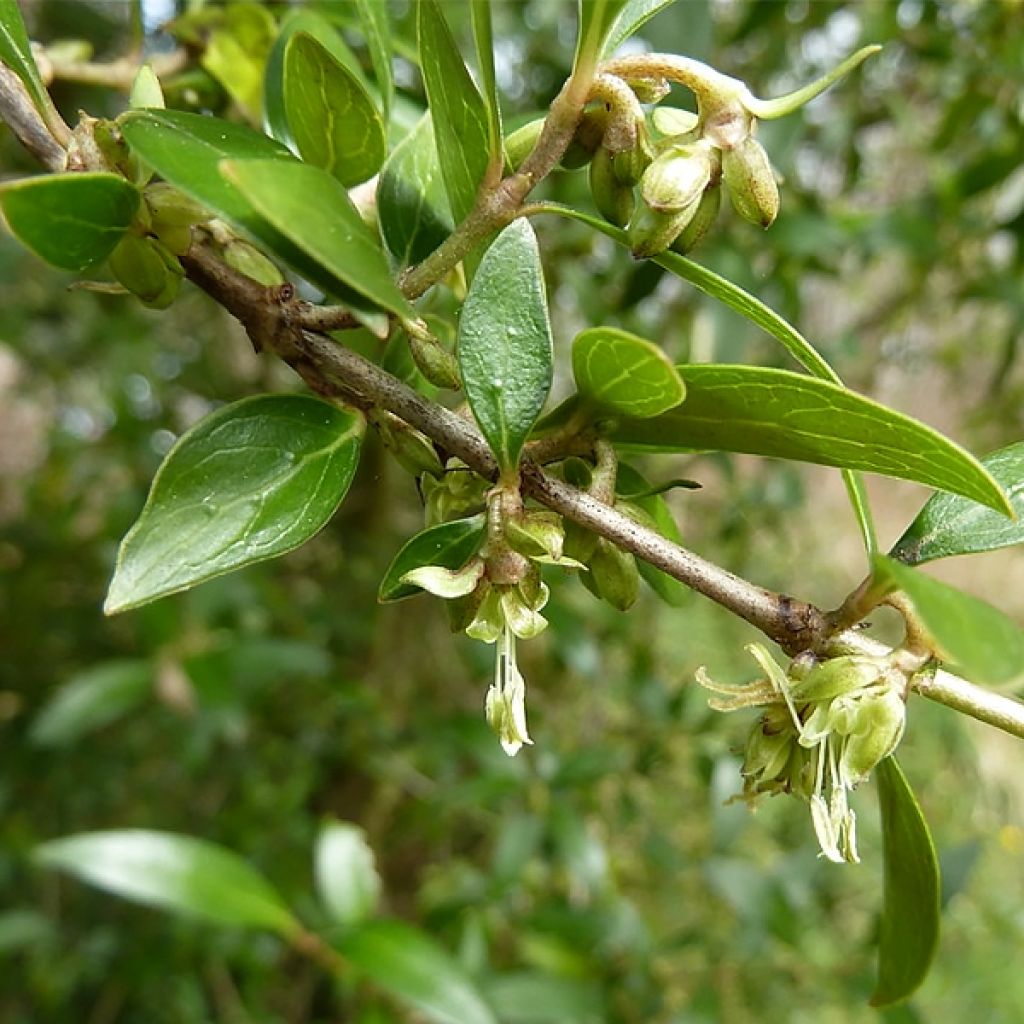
<point x="16" y="53"/>
<point x="980" y="640"/>
<point x="236" y="53"/>
<point x="457" y="109"/>
<point x="316" y="25"/>
<point x="450" y="545"/>
<point x="532" y="997"/>
<point x="373" y="16"/>
<point x="70" y="220"/>
<point x="412" y="204"/>
<point x="483" y="36"/>
<point x="504" y="342"/>
<point x="625" y="374"/>
<point x="633" y="16"/>
<point x="635" y="489"/>
<point x="950" y="525"/>
<point x="346" y="873"/>
<point x="176" y="873"/>
<point x="787" y="415"/>
<point x="187" y="149"/>
<point x="313" y="211"/>
<point x="406" y="963"/>
<point x="909" y="933"/>
<point x="596" y="19"/>
<point x="251" y="481"/>
<point x="331" y="119"/>
<point x="92" y="699"/>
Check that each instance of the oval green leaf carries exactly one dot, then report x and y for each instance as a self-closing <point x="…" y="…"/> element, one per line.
<point x="316" y="25"/>
<point x="982" y="642"/>
<point x="92" y="699"/>
<point x="505" y="349"/>
<point x="412" y="204"/>
<point x="313" y="211"/>
<point x="176" y="873"/>
<point x="633" y="16"/>
<point x="483" y="36"/>
<point x="236" y="52"/>
<point x="331" y="119"/>
<point x="951" y="525"/>
<point x="251" y="481"/>
<point x="625" y="374"/>
<point x="406" y="963"/>
<point x="70" y="220"/>
<point x="450" y="545"/>
<point x="786" y="415"/>
<point x="346" y="873"/>
<point x="457" y="109"/>
<point x="909" y="932"/>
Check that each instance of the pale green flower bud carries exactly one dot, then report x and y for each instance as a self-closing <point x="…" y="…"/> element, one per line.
<point x="489" y="622"/>
<point x="877" y="730"/>
<point x="651" y="232"/>
<point x="613" y="575"/>
<point x="751" y="183"/>
<point x="677" y="178"/>
<point x="702" y="221"/>
<point x="837" y="676"/>
<point x="614" y="201"/>
<point x="537" y="535"/>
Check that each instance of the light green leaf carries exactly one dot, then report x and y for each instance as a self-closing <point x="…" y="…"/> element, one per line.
<point x="533" y="997"/>
<point x="483" y="36"/>
<point x="409" y="965"/>
<point x="950" y="525"/>
<point x="412" y="204"/>
<point x="505" y="349"/>
<point x="909" y="933"/>
<point x="176" y="873"/>
<point x="70" y="220"/>
<point x="237" y="51"/>
<point x="787" y="415"/>
<point x="978" y="639"/>
<point x="16" y="53"/>
<point x="251" y="481"/>
<point x="449" y="545"/>
<point x="625" y="374"/>
<point x="346" y="873"/>
<point x="331" y="119"/>
<point x="457" y="109"/>
<point x="633" y="16"/>
<point x="316" y="25"/>
<point x="596" y="18"/>
<point x="373" y="16"/>
<point x="313" y="211"/>
<point x="92" y="699"/>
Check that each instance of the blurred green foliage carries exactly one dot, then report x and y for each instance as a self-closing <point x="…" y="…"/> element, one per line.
<point x="602" y="873"/>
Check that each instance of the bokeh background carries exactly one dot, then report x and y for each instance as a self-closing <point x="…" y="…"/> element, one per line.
<point x="602" y="872"/>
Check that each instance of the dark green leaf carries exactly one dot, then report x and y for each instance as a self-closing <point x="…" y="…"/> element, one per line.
<point x="909" y="931"/>
<point x="412" y="203"/>
<point x="787" y="415"/>
<point x="505" y="342"/>
<point x="483" y="36"/>
<point x="449" y="544"/>
<point x="70" y="220"/>
<point x="373" y="16"/>
<point x="313" y="211"/>
<point x="317" y="26"/>
<point x="251" y="481"/>
<point x="406" y="963"/>
<point x="457" y="109"/>
<point x="951" y="525"/>
<point x="980" y="640"/>
<point x="346" y="873"/>
<point x="16" y="52"/>
<point x="176" y="873"/>
<point x="331" y="119"/>
<point x="92" y="699"/>
<point x="625" y="374"/>
<point x="633" y="16"/>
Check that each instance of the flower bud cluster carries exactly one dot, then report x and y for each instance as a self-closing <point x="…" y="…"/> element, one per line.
<point x="825" y="728"/>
